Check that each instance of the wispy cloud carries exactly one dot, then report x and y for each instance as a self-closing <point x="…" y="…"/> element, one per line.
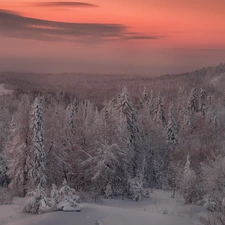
<point x="15" y="25"/>
<point x="62" y="4"/>
<point x="144" y="37"/>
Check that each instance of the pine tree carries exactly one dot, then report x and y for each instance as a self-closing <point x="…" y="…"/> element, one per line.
<point x="37" y="170"/>
<point x="144" y="101"/>
<point x="171" y="130"/>
<point x="158" y="114"/>
<point x="193" y="101"/>
<point x="126" y="111"/>
<point x="133" y="139"/>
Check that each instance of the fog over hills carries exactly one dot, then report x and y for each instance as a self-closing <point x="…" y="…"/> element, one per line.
<point x="100" y="87"/>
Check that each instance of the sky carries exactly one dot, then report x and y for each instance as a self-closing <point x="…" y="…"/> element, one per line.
<point x="142" y="37"/>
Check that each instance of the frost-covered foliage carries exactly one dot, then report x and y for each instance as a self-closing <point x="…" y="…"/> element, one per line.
<point x="108" y="191"/>
<point x="3" y="171"/>
<point x="17" y="149"/>
<point x="188" y="183"/>
<point x="158" y="113"/>
<point x="37" y="160"/>
<point x="129" y="121"/>
<point x="54" y="195"/>
<point x="119" y="146"/>
<point x="213" y="185"/>
<point x="208" y="202"/>
<point x="38" y="203"/>
<point x="193" y="101"/>
<point x="67" y="197"/>
<point x="135" y="188"/>
<point x="171" y="130"/>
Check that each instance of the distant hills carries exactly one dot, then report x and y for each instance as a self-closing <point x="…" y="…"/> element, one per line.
<point x="103" y="87"/>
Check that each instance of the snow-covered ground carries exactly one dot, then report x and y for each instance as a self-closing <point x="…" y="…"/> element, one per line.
<point x="159" y="209"/>
<point x="4" y="91"/>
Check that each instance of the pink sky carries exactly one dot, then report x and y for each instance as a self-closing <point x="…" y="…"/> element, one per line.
<point x="111" y="36"/>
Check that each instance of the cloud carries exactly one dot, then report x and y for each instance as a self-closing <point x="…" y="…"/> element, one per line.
<point x="15" y="25"/>
<point x="62" y="4"/>
<point x="144" y="37"/>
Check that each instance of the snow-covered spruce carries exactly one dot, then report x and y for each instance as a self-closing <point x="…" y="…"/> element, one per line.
<point x="37" y="170"/>
<point x="39" y="203"/>
<point x="171" y="130"/>
<point x="68" y="199"/>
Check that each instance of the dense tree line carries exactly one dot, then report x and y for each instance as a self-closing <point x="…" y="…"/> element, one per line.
<point x="119" y="149"/>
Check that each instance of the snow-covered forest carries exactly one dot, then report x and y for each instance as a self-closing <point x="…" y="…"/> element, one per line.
<point x="124" y="146"/>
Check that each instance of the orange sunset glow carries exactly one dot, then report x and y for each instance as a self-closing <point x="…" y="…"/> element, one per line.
<point x="111" y="36"/>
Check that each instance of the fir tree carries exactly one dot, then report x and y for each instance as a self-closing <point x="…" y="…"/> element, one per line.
<point x="158" y="114"/>
<point x="128" y="113"/>
<point x="37" y="170"/>
<point x="193" y="101"/>
<point x="144" y="101"/>
<point x="171" y="129"/>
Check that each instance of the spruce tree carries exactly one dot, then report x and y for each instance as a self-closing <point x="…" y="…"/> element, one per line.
<point x="158" y="113"/>
<point x="171" y="130"/>
<point x="144" y="101"/>
<point x="37" y="170"/>
<point x="193" y="101"/>
<point x="126" y="108"/>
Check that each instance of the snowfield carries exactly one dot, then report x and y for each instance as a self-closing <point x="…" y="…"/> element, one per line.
<point x="159" y="209"/>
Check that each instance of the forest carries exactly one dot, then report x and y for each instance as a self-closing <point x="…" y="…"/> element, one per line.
<point x="168" y="137"/>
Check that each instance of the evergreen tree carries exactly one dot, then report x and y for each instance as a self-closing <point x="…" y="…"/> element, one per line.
<point x="158" y="114"/>
<point x="188" y="183"/>
<point x="144" y="101"/>
<point x="171" y="130"/>
<point x="71" y="111"/>
<point x="37" y="171"/>
<point x="193" y="101"/>
<point x="38" y="203"/>
<point x="127" y="111"/>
